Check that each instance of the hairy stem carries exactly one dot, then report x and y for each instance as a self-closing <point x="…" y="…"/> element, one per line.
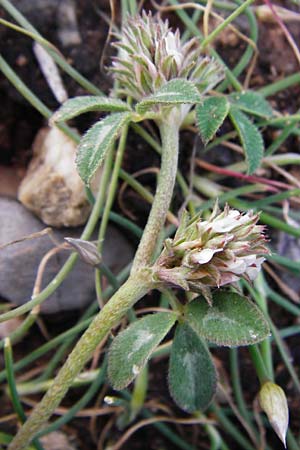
<point x="169" y="131"/>
<point x="131" y="291"/>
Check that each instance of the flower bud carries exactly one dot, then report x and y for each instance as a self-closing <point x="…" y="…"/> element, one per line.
<point x="86" y="250"/>
<point x="215" y="252"/>
<point x="151" y="54"/>
<point x="273" y="402"/>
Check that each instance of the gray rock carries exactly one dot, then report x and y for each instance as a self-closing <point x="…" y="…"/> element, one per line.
<point x="19" y="262"/>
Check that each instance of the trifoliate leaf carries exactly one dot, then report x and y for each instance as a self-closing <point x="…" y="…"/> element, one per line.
<point x="250" y="138"/>
<point x="210" y="115"/>
<point x="79" y="105"/>
<point x="192" y="375"/>
<point x="175" y="92"/>
<point x="97" y="141"/>
<point x="232" y="320"/>
<point x="251" y="102"/>
<point x="132" y="347"/>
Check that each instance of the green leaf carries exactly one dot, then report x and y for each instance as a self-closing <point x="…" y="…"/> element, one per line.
<point x="250" y="138"/>
<point x="97" y="141"/>
<point x="86" y="103"/>
<point x="210" y="115"/>
<point x="232" y="320"/>
<point x="192" y="375"/>
<point x="175" y="92"/>
<point x="132" y="347"/>
<point x="252" y="103"/>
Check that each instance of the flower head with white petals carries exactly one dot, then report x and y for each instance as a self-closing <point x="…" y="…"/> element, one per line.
<point x="214" y="252"/>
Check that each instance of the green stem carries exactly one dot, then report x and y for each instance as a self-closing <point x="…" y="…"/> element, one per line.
<point x="283" y="302"/>
<point x="236" y="383"/>
<point x="277" y="86"/>
<point x="67" y="336"/>
<point x="104" y="181"/>
<point x="131" y="291"/>
<point x="265" y="346"/>
<point x="139" y="393"/>
<point x="284" y="354"/>
<point x="259" y="364"/>
<point x="36" y="386"/>
<point x="136" y="186"/>
<point x="126" y="223"/>
<point x="16" y="335"/>
<point x="89" y="394"/>
<point x="169" y="132"/>
<point x="69" y="264"/>
<point x="109" y="202"/>
<point x="156" y="146"/>
<point x="226" y="22"/>
<point x="23" y="89"/>
<point x="112" y="187"/>
<point x="9" y="365"/>
<point x="231" y="429"/>
<point x="64" y="271"/>
<point x="195" y="30"/>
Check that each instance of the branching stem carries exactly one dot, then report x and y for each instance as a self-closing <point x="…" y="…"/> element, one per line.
<point x="110" y="315"/>
<point x="138" y="284"/>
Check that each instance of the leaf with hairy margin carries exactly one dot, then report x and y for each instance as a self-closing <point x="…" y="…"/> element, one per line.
<point x="250" y="137"/>
<point x="192" y="375"/>
<point x="96" y="142"/>
<point x="232" y="320"/>
<point x="175" y="92"/>
<point x="87" y="103"/>
<point x="251" y="102"/>
<point x="132" y="348"/>
<point x="210" y="115"/>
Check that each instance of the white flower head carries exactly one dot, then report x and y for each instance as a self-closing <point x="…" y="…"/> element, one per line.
<point x="215" y="252"/>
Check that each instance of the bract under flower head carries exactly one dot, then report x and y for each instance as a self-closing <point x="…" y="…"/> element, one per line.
<point x="152" y="54"/>
<point x="214" y="252"/>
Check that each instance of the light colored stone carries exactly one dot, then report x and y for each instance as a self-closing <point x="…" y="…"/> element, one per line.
<point x="68" y="32"/>
<point x="56" y="440"/>
<point x="52" y="188"/>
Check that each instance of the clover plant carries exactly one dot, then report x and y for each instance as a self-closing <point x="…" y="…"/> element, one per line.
<point x="162" y="79"/>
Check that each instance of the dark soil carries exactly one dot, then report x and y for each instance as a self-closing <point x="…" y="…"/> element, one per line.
<point x="19" y="123"/>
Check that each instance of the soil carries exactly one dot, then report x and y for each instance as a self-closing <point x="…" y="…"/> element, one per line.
<point x="19" y="123"/>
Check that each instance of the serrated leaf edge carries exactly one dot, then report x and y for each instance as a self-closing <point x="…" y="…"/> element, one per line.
<point x="232" y="111"/>
<point x="113" y="137"/>
<point x="206" y="140"/>
<point x="244" y="108"/>
<point x="151" y="100"/>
